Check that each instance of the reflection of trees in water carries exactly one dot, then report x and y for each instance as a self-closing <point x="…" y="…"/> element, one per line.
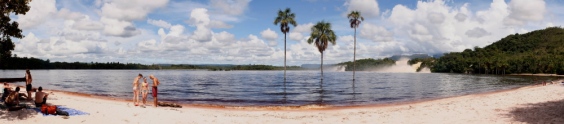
<point x="354" y="93"/>
<point x="285" y="98"/>
<point x="321" y="92"/>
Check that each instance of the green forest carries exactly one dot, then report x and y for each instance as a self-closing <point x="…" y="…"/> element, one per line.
<point x="539" y="51"/>
<point x="35" y="63"/>
<point x="369" y="63"/>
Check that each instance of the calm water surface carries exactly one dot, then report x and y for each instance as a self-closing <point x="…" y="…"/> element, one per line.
<point x="268" y="88"/>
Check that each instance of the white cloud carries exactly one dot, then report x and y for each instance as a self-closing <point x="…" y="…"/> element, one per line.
<point x="117" y="15"/>
<point x="219" y="24"/>
<point x="368" y="8"/>
<point x="461" y="17"/>
<point x="436" y="18"/>
<point x="522" y="11"/>
<point x="40" y="11"/>
<point x="159" y="23"/>
<point x="436" y="27"/>
<point x="296" y="36"/>
<point x="300" y="31"/>
<point x="88" y="25"/>
<point x="129" y="10"/>
<point x="231" y="7"/>
<point x="200" y="17"/>
<point x="68" y="15"/>
<point x="269" y="35"/>
<point x="114" y="27"/>
<point x="375" y="33"/>
<point x="477" y="32"/>
<point x="224" y="36"/>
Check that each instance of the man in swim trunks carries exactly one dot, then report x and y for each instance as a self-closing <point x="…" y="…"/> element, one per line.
<point x="40" y="97"/>
<point x="28" y="80"/>
<point x="155" y="90"/>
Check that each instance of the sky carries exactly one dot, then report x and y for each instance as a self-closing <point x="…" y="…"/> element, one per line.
<point x="243" y="32"/>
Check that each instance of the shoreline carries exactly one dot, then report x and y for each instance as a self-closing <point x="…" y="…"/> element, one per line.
<point x="528" y="104"/>
<point x="300" y="107"/>
<point x="540" y="75"/>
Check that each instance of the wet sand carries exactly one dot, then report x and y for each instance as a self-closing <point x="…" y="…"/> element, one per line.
<point x="531" y="104"/>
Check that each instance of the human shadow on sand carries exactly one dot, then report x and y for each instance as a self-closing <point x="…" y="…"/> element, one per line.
<point x="17" y="115"/>
<point x="551" y="112"/>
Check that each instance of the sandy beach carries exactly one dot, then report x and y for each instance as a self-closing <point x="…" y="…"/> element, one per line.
<point x="531" y="104"/>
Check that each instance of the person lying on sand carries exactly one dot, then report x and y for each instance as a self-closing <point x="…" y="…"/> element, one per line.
<point x="40" y="97"/>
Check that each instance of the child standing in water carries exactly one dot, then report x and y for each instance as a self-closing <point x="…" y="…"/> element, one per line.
<point x="144" y="90"/>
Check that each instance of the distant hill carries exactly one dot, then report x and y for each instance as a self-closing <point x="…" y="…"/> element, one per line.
<point x="540" y="51"/>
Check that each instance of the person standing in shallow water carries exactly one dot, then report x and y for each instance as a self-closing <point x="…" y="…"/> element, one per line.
<point x="136" y="89"/>
<point x="155" y="90"/>
<point x="144" y="90"/>
<point x="28" y="81"/>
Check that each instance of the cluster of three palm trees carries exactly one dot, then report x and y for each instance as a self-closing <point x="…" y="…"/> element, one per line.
<point x="321" y="33"/>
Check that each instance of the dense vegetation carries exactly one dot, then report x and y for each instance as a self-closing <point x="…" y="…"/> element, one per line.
<point x="367" y="64"/>
<point x="35" y="63"/>
<point x="228" y="67"/>
<point x="539" y="51"/>
<point x="10" y="29"/>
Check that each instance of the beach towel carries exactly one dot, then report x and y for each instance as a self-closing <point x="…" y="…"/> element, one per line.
<point x="71" y="111"/>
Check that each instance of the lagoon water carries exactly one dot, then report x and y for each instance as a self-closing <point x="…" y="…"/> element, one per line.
<point x="268" y="88"/>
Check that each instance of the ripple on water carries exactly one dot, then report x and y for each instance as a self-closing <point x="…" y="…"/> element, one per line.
<point x="267" y="88"/>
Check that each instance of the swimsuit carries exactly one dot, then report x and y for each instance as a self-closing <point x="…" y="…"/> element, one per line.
<point x="155" y="91"/>
<point x="135" y="85"/>
<point x="144" y="88"/>
<point x="28" y="87"/>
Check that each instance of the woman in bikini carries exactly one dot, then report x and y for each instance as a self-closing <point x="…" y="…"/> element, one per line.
<point x="135" y="90"/>
<point x="144" y="90"/>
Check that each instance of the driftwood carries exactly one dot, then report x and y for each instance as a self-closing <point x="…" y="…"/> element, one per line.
<point x="166" y="104"/>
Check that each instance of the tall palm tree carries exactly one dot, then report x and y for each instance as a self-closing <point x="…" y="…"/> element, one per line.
<point x="322" y="35"/>
<point x="355" y="18"/>
<point x="284" y="18"/>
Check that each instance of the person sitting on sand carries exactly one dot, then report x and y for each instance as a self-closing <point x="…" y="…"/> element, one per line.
<point x="13" y="98"/>
<point x="144" y="90"/>
<point x="136" y="89"/>
<point x="40" y="97"/>
<point x="6" y="91"/>
<point x="155" y="91"/>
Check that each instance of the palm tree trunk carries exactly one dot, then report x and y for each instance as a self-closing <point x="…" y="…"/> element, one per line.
<point x="284" y="56"/>
<point x="354" y="56"/>
<point x="321" y="65"/>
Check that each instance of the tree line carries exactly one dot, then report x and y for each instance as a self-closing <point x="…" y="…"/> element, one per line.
<point x="367" y="64"/>
<point x="538" y="51"/>
<point x="35" y="63"/>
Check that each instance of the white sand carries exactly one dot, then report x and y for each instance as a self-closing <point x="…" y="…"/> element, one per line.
<point x="533" y="104"/>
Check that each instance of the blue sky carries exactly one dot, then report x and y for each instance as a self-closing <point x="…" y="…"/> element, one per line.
<point x="242" y="31"/>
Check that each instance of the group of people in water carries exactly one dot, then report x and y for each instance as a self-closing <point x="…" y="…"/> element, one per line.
<point x="145" y="89"/>
<point x="12" y="97"/>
